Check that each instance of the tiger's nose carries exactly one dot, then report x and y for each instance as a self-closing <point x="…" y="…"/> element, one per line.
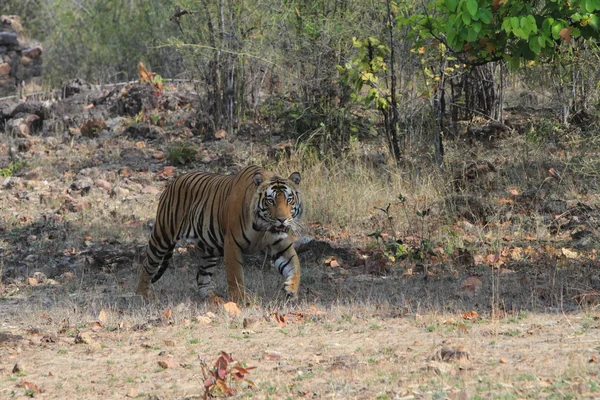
<point x="281" y="219"/>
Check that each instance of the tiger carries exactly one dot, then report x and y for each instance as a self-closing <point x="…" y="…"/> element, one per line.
<point x="226" y="216"/>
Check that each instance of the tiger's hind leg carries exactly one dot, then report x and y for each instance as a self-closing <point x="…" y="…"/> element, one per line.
<point x="206" y="269"/>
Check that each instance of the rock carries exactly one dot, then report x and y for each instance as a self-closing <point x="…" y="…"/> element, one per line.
<point x="119" y="192"/>
<point x="26" y="126"/>
<point x="125" y="172"/>
<point x="142" y="130"/>
<point x="4" y="69"/>
<point x="9" y="39"/>
<point x="149" y="189"/>
<point x="30" y="107"/>
<point x="32" y="52"/>
<point x="135" y="99"/>
<point x="75" y="86"/>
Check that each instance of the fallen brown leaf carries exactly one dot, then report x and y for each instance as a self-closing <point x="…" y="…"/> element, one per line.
<point x="232" y="309"/>
<point x="29" y="386"/>
<point x="102" y="316"/>
<point x="165" y="364"/>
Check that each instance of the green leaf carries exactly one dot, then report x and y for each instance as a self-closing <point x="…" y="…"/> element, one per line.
<point x="485" y="15"/>
<point x="451" y="39"/>
<point x="471" y="36"/>
<point x="532" y="23"/>
<point x="534" y="46"/>
<point x="514" y="21"/>
<point x="594" y="22"/>
<point x="520" y="33"/>
<point x="476" y="26"/>
<point x="472" y="7"/>
<point x="547" y="25"/>
<point x="541" y="41"/>
<point x="556" y="30"/>
<point x="466" y="18"/>
<point x="507" y="26"/>
<point x="590" y="6"/>
<point x="451" y="5"/>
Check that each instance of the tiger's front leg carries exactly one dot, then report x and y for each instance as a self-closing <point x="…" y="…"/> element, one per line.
<point x="287" y="263"/>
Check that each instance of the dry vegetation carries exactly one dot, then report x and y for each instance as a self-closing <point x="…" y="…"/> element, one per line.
<point x="477" y="281"/>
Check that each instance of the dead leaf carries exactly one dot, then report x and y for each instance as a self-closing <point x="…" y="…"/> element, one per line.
<point x="513" y="191"/>
<point x="203" y="319"/>
<point x="32" y="281"/>
<point x="83" y="338"/>
<point x="16" y="369"/>
<point x="462" y="329"/>
<point x="166" y="364"/>
<point x="594" y="359"/>
<point x="232" y="309"/>
<point x="273" y="356"/>
<point x="502" y="361"/>
<point x="565" y="34"/>
<point x="29" y="386"/>
<point x="312" y="309"/>
<point x="97" y="326"/>
<point x="102" y="316"/>
<point x="469" y="315"/>
<point x="167" y="314"/>
<point x="569" y="253"/>
<point x="220" y="134"/>
<point x="279" y="318"/>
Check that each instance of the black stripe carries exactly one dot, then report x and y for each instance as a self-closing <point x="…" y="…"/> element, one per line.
<point x="282" y="266"/>
<point x="282" y="252"/>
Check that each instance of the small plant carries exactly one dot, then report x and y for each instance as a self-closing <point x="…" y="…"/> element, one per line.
<point x="92" y="127"/>
<point x="225" y="372"/>
<point x="12" y="169"/>
<point x="181" y="154"/>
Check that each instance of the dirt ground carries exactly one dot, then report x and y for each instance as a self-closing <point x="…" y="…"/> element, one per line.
<point x="508" y="313"/>
<point x="346" y="351"/>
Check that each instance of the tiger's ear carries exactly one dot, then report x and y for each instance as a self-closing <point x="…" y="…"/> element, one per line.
<point x="295" y="177"/>
<point x="258" y="179"/>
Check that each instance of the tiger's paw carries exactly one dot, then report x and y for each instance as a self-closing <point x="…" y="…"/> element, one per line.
<point x="291" y="288"/>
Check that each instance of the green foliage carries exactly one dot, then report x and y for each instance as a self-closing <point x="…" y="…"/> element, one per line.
<point x="364" y="69"/>
<point x="181" y="154"/>
<point x="12" y="169"/>
<point x="516" y="31"/>
<point x="104" y="40"/>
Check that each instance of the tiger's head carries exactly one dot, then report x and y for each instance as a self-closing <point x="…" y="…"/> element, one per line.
<point x="278" y="205"/>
